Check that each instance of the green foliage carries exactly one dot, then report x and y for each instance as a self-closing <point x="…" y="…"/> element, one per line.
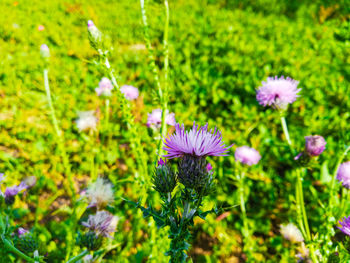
<point x="219" y="52"/>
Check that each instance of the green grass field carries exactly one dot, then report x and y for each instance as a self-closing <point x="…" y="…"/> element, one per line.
<point x="219" y="53"/>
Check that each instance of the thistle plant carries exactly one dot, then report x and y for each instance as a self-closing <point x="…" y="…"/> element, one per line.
<point x="184" y="189"/>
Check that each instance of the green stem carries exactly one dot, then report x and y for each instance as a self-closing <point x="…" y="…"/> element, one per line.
<point x="71" y="190"/>
<point x="78" y="257"/>
<point x="162" y="92"/>
<point x="340" y="160"/>
<point x="107" y="102"/>
<point x="13" y="249"/>
<point x="307" y="237"/>
<point x="286" y="133"/>
<point x="246" y="236"/>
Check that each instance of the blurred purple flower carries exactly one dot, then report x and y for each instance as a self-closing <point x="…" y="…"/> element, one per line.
<point x="345" y="225"/>
<point x="21" y="231"/>
<point x="14" y="190"/>
<point x="155" y="118"/>
<point x="209" y="167"/>
<point x="102" y="223"/>
<point x="130" y="92"/>
<point x="278" y="92"/>
<point x="94" y="32"/>
<point x="2" y="177"/>
<point x="315" y="145"/>
<point x="247" y="155"/>
<point x="343" y="174"/>
<point x="104" y="87"/>
<point x="198" y="142"/>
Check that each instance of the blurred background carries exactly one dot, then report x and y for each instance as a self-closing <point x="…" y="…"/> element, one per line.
<point x="220" y="51"/>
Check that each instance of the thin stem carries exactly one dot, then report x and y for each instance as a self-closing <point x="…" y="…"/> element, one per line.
<point x="285" y="131"/>
<point x="107" y="103"/>
<point x="61" y="145"/>
<point x="307" y="237"/>
<point x="246" y="236"/>
<point x="78" y="257"/>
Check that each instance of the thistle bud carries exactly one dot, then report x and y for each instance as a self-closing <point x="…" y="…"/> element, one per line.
<point x="91" y="241"/>
<point x="95" y="35"/>
<point x="315" y="145"/>
<point x="44" y="51"/>
<point x="25" y="241"/>
<point x="195" y="173"/>
<point x="164" y="178"/>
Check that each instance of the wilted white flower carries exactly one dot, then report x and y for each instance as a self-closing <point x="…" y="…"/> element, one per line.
<point x="86" y="121"/>
<point x="292" y="233"/>
<point x="100" y="193"/>
<point x="45" y="51"/>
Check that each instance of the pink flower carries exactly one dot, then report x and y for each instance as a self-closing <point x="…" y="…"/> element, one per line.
<point x="278" y="92"/>
<point x="130" y="92"/>
<point x="104" y="87"/>
<point x="41" y="28"/>
<point x="247" y="155"/>
<point x="155" y="118"/>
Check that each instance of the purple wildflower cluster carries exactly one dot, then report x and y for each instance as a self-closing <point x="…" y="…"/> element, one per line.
<point x="343" y="174"/>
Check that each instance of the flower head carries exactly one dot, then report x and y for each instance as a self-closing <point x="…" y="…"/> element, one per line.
<point x="278" y="92"/>
<point x="2" y="177"/>
<point x="315" y="145"/>
<point x="86" y="121"/>
<point x="14" y="190"/>
<point x="102" y="223"/>
<point x="104" y="87"/>
<point x="198" y="142"/>
<point x="44" y="51"/>
<point x="21" y="231"/>
<point x="292" y="233"/>
<point x="345" y="225"/>
<point x="155" y="118"/>
<point x="343" y="174"/>
<point x="94" y="33"/>
<point x="100" y="193"/>
<point x="247" y="155"/>
<point x="41" y="28"/>
<point x="130" y="92"/>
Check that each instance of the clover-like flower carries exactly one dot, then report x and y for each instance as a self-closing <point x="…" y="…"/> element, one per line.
<point x="104" y="88"/>
<point x="247" y="155"/>
<point x="278" y="92"/>
<point x="315" y="145"/>
<point x="130" y="92"/>
<point x="155" y="118"/>
<point x="198" y="142"/>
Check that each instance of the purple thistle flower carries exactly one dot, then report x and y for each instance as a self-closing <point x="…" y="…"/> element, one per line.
<point x="345" y="225"/>
<point x="130" y="92"/>
<point x="14" y="190"/>
<point x="198" y="142"/>
<point x="102" y="223"/>
<point x="278" y="92"/>
<point x="247" y="155"/>
<point x="155" y="118"/>
<point x="21" y="231"/>
<point x="161" y="162"/>
<point x="315" y="145"/>
<point x="343" y="174"/>
<point x="104" y="87"/>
